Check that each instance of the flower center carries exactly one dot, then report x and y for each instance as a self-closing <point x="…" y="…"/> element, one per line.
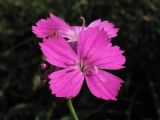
<point x="54" y="33"/>
<point x="83" y="68"/>
<point x="86" y="69"/>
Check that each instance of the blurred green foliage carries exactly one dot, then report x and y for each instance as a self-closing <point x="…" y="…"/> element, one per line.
<point x="23" y="97"/>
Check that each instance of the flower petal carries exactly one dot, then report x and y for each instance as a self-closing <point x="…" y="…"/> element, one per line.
<point x="109" y="58"/>
<point x="58" y="52"/>
<point x="60" y="22"/>
<point x="104" y="85"/>
<point x="108" y="27"/>
<point x="46" y="27"/>
<point x="95" y="23"/>
<point x="66" y="83"/>
<point x="91" y="42"/>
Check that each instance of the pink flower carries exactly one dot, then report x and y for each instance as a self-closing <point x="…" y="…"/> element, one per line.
<point x="50" y="27"/>
<point x="73" y="33"/>
<point x="93" y="54"/>
<point x="53" y="26"/>
<point x="108" y="27"/>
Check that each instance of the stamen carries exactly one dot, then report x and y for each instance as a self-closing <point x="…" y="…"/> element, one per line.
<point x="82" y="67"/>
<point x="55" y="33"/>
<point x="83" y="21"/>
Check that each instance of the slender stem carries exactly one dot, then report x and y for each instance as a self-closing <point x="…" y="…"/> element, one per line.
<point x="71" y="108"/>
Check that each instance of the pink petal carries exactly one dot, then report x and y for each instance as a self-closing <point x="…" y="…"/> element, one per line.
<point x="46" y="27"/>
<point x="104" y="85"/>
<point x="95" y="23"/>
<point x="109" y="58"/>
<point x="108" y="27"/>
<point x="73" y="45"/>
<point x="60" y="22"/>
<point x="66" y="83"/>
<point x="58" y="52"/>
<point x="91" y="42"/>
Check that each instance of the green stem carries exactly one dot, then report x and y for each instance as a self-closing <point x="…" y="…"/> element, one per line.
<point x="71" y="108"/>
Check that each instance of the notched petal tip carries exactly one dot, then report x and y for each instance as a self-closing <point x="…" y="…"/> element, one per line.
<point x="66" y="85"/>
<point x="104" y="85"/>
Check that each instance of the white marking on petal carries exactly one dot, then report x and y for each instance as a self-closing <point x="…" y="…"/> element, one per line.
<point x="95" y="69"/>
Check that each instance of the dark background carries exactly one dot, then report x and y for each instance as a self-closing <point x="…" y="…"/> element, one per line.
<point x="23" y="97"/>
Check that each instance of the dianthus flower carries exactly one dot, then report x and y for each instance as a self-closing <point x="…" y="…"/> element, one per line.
<point x="87" y="62"/>
<point x="55" y="26"/>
